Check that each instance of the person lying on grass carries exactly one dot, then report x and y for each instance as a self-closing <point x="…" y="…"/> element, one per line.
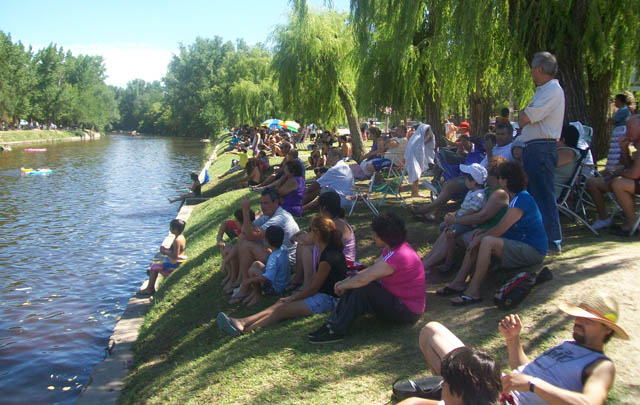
<point x="175" y="256"/>
<point x="271" y="278"/>
<point x="318" y="298"/>
<point x="228" y="251"/>
<point x="494" y="208"/>
<point x="393" y="288"/>
<point x="469" y="376"/>
<point x="307" y="253"/>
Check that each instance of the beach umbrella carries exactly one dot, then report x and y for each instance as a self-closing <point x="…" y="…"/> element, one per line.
<point x="292" y="126"/>
<point x="273" y="123"/>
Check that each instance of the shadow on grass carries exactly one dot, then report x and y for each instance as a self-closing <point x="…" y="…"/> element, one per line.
<point x="181" y="356"/>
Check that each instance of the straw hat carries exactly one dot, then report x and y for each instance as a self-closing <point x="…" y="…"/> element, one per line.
<point x="601" y="308"/>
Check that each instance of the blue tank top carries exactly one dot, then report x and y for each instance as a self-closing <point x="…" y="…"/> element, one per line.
<point x="562" y="366"/>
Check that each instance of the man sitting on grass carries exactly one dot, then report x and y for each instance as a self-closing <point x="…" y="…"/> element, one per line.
<point x="271" y="278"/>
<point x="574" y="372"/>
<point x="251" y="245"/>
<point x="338" y="178"/>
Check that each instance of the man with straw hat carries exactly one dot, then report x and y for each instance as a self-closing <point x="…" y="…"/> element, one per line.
<point x="574" y="372"/>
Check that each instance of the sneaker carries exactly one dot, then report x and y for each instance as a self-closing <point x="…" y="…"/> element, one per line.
<point x="327" y="337"/>
<point x="323" y="329"/>
<point x="601" y="223"/>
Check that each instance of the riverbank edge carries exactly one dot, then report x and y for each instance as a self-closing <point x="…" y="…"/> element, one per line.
<point x="107" y="377"/>
<point x="86" y="137"/>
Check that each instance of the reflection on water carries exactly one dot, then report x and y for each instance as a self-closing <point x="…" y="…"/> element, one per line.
<point x="74" y="247"/>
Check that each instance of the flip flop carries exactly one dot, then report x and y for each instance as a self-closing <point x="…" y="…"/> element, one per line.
<point x="448" y="291"/>
<point x="466" y="300"/>
<point x="428" y="388"/>
<point x="225" y="325"/>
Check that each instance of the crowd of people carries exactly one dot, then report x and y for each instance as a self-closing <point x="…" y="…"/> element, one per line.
<point x="508" y="184"/>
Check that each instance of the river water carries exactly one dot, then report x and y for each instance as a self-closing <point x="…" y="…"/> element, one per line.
<point x="74" y="247"/>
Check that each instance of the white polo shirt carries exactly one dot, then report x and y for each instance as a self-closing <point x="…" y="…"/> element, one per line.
<point x="546" y="113"/>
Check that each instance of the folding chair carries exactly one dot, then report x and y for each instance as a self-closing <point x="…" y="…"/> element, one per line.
<point x="573" y="185"/>
<point x="360" y="194"/>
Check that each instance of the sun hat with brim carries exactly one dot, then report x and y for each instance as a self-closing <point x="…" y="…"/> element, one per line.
<point x="600" y="308"/>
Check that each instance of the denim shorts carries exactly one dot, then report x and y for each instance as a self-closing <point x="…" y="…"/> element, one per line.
<point x="320" y="303"/>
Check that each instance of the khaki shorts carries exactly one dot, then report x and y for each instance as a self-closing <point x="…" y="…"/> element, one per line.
<point x="516" y="254"/>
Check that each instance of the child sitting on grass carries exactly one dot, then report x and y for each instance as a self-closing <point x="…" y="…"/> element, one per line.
<point x="175" y="256"/>
<point x="271" y="278"/>
<point x="475" y="177"/>
<point x="228" y="251"/>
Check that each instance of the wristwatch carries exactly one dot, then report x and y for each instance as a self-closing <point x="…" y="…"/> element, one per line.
<point x="532" y="386"/>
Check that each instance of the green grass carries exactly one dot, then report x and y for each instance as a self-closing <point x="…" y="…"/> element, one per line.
<point x="34" y="135"/>
<point x="181" y="357"/>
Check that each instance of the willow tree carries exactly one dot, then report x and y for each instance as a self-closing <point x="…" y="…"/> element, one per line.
<point x="401" y="57"/>
<point x="314" y="65"/>
<point x="591" y="39"/>
<point x="480" y="55"/>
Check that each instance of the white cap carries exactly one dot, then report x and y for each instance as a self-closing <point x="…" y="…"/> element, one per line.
<point x="477" y="171"/>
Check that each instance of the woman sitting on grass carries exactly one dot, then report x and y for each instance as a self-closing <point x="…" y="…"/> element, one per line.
<point x="292" y="188"/>
<point x="519" y="239"/>
<point x="393" y="288"/>
<point x="307" y="253"/>
<point x="252" y="173"/>
<point x="318" y="298"/>
<point x="195" y="189"/>
<point x="494" y="208"/>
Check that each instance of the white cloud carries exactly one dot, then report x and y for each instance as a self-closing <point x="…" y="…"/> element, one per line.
<point x="125" y="62"/>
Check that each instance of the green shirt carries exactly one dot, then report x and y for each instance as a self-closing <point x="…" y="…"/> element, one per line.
<point x="496" y="218"/>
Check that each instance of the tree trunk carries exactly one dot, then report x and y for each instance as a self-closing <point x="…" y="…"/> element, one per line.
<point x="349" y="105"/>
<point x="570" y="75"/>
<point x="599" y="90"/>
<point x="480" y="112"/>
<point x="433" y="117"/>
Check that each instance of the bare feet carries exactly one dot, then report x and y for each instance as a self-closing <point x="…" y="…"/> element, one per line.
<point x="252" y="300"/>
<point x="236" y="324"/>
<point x="146" y="291"/>
<point x="417" y="195"/>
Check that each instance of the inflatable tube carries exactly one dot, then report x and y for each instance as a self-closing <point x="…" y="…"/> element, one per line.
<point x="36" y="171"/>
<point x="5" y="148"/>
<point x="39" y="171"/>
<point x="36" y="150"/>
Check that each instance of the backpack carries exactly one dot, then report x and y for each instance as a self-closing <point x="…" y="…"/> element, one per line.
<point x="516" y="289"/>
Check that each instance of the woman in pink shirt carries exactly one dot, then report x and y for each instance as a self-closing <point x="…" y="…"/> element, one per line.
<point x="393" y="288"/>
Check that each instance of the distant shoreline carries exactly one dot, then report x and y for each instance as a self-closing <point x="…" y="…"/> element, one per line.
<point x="37" y="135"/>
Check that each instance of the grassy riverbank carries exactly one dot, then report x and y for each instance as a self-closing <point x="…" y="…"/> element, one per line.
<point x="181" y="357"/>
<point x="34" y="135"/>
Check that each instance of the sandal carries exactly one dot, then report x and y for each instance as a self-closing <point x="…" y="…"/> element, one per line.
<point x="465" y="300"/>
<point x="428" y="388"/>
<point x="225" y="325"/>
<point x="448" y="291"/>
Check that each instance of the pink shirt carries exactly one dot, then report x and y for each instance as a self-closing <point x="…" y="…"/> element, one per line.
<point x="407" y="281"/>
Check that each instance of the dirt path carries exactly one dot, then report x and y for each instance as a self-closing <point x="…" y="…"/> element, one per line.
<point x="615" y="269"/>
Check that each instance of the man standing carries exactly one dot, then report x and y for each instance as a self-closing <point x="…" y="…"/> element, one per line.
<point x="541" y="124"/>
<point x="576" y="371"/>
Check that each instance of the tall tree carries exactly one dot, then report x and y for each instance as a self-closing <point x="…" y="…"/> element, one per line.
<point x="591" y="39"/>
<point x="314" y="65"/>
<point x="16" y="79"/>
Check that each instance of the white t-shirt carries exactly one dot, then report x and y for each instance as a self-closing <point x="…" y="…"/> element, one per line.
<point x="396" y="154"/>
<point x="284" y="220"/>
<point x="339" y="179"/>
<point x="546" y="113"/>
<point x="504" y="151"/>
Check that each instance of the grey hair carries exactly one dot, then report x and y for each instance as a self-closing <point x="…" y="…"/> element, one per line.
<point x="546" y="61"/>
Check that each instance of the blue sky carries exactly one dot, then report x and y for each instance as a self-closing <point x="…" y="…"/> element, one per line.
<point x="138" y="37"/>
